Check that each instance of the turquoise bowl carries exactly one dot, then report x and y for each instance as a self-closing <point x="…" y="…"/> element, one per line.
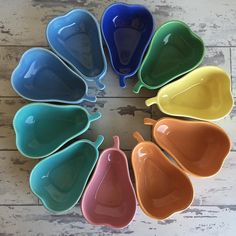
<point x="59" y="180"/>
<point x="42" y="128"/>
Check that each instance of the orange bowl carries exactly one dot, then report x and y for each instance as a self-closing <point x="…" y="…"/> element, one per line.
<point x="199" y="147"/>
<point x="162" y="188"/>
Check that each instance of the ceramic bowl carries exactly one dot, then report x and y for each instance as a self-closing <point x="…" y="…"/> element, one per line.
<point x="162" y="188"/>
<point x="41" y="128"/>
<point x="204" y="93"/>
<point x="76" y="38"/>
<point x="127" y="30"/>
<point x="41" y="76"/>
<point x="200" y="148"/>
<point x="59" y="180"/>
<point x="109" y="199"/>
<point x="174" y="51"/>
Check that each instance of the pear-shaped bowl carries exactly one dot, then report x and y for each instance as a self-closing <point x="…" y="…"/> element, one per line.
<point x="59" y="180"/>
<point x="41" y="76"/>
<point x="127" y="30"/>
<point x="76" y="38"/>
<point x="204" y="93"/>
<point x="174" y="51"/>
<point x="199" y="147"/>
<point x="42" y="128"/>
<point x="162" y="187"/>
<point x="109" y="198"/>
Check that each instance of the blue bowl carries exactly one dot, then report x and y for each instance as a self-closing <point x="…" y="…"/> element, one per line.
<point x="43" y="77"/>
<point x="127" y="31"/>
<point x="76" y="38"/>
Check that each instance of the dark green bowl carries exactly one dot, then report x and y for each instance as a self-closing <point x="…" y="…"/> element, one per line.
<point x="174" y="51"/>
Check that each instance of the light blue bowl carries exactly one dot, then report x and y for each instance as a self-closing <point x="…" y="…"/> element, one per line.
<point x="59" y="180"/>
<point x="42" y="128"/>
<point x="43" y="77"/>
<point x="76" y="38"/>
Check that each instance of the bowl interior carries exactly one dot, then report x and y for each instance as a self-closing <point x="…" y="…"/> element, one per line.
<point x="199" y="147"/>
<point x="42" y="129"/>
<point x="76" y="38"/>
<point x="127" y="31"/>
<point x="174" y="51"/>
<point x="109" y="198"/>
<point x="204" y="93"/>
<point x="161" y="187"/>
<point x="42" y="76"/>
<point x="60" y="179"/>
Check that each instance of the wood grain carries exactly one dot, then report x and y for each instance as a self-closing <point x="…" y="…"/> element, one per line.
<point x="233" y="63"/>
<point x="34" y="220"/>
<point x="14" y="175"/>
<point x="214" y="20"/>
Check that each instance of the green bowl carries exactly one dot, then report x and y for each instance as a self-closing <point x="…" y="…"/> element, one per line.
<point x="174" y="51"/>
<point x="59" y="180"/>
<point x="41" y="128"/>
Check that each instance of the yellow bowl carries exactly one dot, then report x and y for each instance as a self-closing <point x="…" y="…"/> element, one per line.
<point x="204" y="93"/>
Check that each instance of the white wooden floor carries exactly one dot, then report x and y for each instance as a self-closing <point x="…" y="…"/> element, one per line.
<point x="22" y="25"/>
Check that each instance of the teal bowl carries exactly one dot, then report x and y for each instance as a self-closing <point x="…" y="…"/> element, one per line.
<point x="42" y="128"/>
<point x="59" y="180"/>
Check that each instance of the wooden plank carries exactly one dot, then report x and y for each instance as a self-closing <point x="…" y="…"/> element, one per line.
<point x="34" y="220"/>
<point x="14" y="174"/>
<point x="214" y="22"/>
<point x="229" y="125"/>
<point x="120" y="117"/>
<point x="233" y="61"/>
<point x="219" y="189"/>
<point x="9" y="58"/>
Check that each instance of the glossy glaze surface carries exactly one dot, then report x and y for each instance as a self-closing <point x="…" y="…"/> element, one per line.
<point x="200" y="148"/>
<point x="204" y="93"/>
<point x="76" y="38"/>
<point x="174" y="50"/>
<point x="109" y="198"/>
<point x="60" y="179"/>
<point x="162" y="187"/>
<point x="41" y="76"/>
<point x="42" y="128"/>
<point x="127" y="30"/>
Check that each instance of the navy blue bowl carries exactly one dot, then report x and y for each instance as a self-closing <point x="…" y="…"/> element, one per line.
<point x="43" y="77"/>
<point x="76" y="38"/>
<point x="127" y="31"/>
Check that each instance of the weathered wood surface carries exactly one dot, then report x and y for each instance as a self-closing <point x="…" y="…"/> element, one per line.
<point x="22" y="25"/>
<point x="197" y="220"/>
<point x="214" y="20"/>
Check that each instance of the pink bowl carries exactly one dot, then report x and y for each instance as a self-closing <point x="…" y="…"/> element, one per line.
<point x="109" y="198"/>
